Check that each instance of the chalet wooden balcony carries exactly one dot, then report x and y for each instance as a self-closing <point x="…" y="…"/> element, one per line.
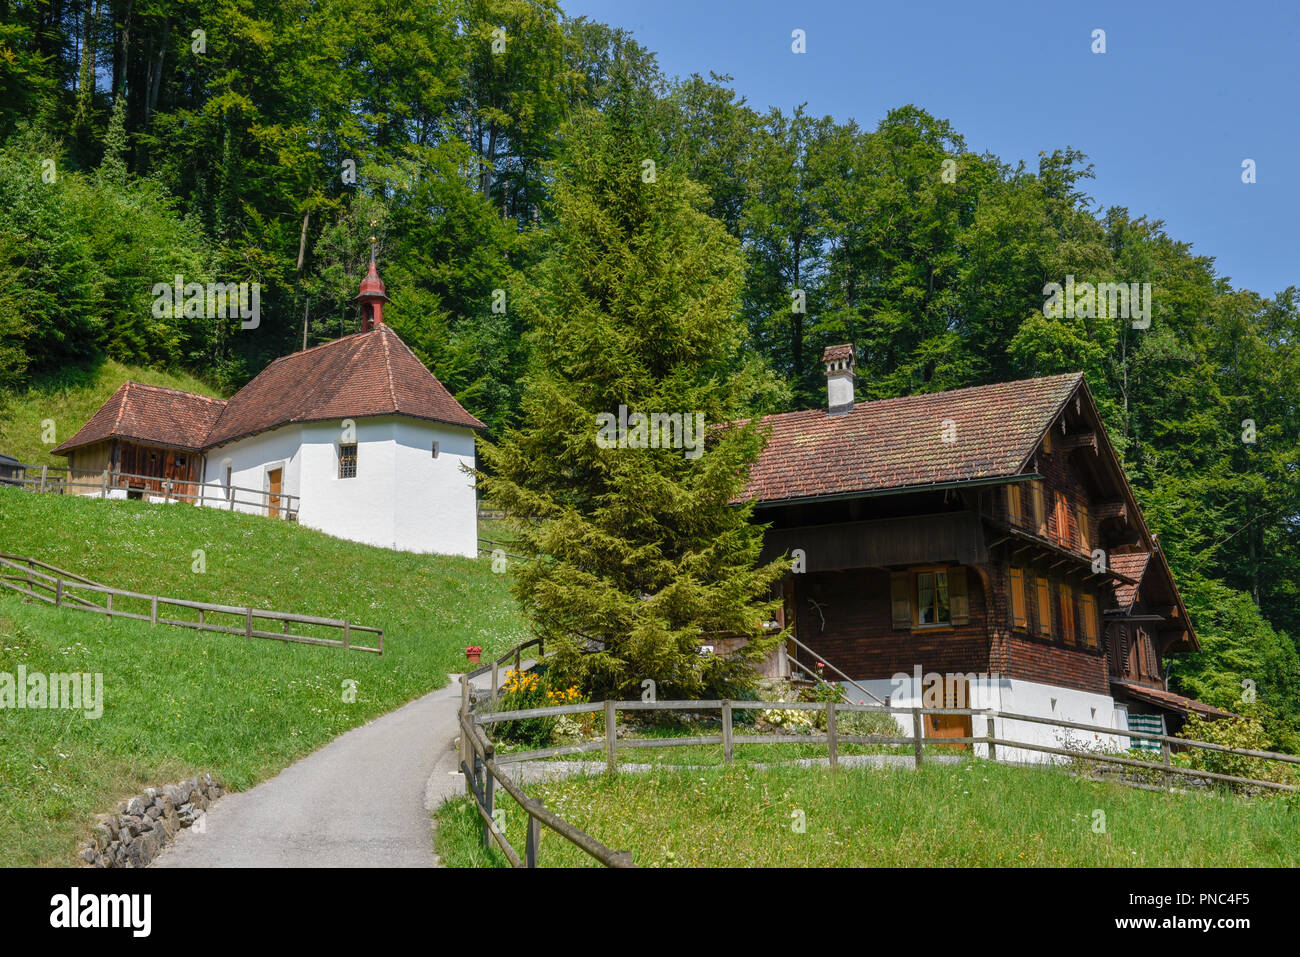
<point x="955" y="537"/>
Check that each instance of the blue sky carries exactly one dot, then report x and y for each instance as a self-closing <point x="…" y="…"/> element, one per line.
<point x="1183" y="94"/>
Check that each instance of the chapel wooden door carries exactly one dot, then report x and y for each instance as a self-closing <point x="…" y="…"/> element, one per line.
<point x="274" y="481"/>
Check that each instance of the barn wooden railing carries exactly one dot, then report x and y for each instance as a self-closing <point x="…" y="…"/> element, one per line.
<point x="62" y="589"/>
<point x="483" y="765"/>
<point x="60" y="480"/>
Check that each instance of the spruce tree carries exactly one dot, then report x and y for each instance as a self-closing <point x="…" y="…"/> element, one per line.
<point x="635" y="557"/>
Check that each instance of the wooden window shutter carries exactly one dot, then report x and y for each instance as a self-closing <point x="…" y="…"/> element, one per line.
<point x="1019" y="617"/>
<point x="1061" y="518"/>
<point x="1040" y="510"/>
<point x="1015" y="509"/>
<point x="1044" y="607"/>
<point x="1085" y="533"/>
<point x="958" y="600"/>
<point x="1067" y="614"/>
<point x="900" y="593"/>
<point x="1088" y="608"/>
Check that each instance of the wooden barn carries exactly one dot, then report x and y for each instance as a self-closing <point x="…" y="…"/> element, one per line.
<point x="987" y="537"/>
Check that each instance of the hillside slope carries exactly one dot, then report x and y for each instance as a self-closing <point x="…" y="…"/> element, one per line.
<point x="178" y="701"/>
<point x="70" y="397"/>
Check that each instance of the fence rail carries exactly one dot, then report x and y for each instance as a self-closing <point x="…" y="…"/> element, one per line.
<point x="37" y="580"/>
<point x="61" y="480"/>
<point x="482" y="766"/>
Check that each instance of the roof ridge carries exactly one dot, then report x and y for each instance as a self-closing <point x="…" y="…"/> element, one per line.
<point x="388" y="368"/>
<point x="167" y="388"/>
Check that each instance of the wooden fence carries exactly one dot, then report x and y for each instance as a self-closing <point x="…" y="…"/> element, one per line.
<point x="63" y="589"/>
<point x="59" y="480"/>
<point x="482" y="765"/>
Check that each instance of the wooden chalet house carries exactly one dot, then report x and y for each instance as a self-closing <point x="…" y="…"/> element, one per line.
<point x="986" y="535"/>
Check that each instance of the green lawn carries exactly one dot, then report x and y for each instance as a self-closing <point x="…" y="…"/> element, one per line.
<point x="179" y="701"/>
<point x="962" y="815"/>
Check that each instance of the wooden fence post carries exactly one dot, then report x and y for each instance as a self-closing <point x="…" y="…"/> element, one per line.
<point x="611" y="736"/>
<point x="916" y="734"/>
<point x="58" y="592"/>
<point x="109" y="606"/>
<point x="153" y="610"/>
<point x="104" y="494"/>
<point x="1164" y="760"/>
<point x="832" y="742"/>
<point x="496" y="679"/>
<point x="43" y="470"/>
<point x="347" y="633"/>
<point x="534" y="839"/>
<point x="993" y="748"/>
<point x="727" y="748"/>
<point x="248" y="623"/>
<point x="489" y="788"/>
<point x="167" y="491"/>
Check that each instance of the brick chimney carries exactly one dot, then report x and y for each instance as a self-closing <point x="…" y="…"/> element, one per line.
<point x="839" y="378"/>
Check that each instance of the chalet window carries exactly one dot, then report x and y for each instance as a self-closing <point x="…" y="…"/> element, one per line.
<point x="1088" y="610"/>
<point x="932" y="598"/>
<point x="929" y="598"/>
<point x="1085" y="533"/>
<point x="1044" y="607"/>
<point x="1015" y="505"/>
<point x="1040" y="508"/>
<point x="1067" y="613"/>
<point x="348" y="461"/>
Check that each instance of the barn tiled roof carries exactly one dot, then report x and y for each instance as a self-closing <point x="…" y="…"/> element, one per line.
<point x="370" y="373"/>
<point x="898" y="443"/>
<point x="1131" y="565"/>
<point x="150" y="414"/>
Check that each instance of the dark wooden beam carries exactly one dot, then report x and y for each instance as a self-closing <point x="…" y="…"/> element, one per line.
<point x="1106" y="510"/>
<point x="1079" y="440"/>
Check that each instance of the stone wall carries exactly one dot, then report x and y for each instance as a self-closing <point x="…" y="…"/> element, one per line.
<point x="135" y="835"/>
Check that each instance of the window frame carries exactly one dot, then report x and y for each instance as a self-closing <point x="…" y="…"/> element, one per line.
<point x="1043" y="603"/>
<point x="1019" y="604"/>
<point x="343" y="459"/>
<point x="936" y="571"/>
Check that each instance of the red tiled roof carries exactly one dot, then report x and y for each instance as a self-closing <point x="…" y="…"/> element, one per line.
<point x="150" y="414"/>
<point x="370" y="373"/>
<point x="835" y="353"/>
<point x="1131" y="565"/>
<point x="1167" y="699"/>
<point x="898" y="443"/>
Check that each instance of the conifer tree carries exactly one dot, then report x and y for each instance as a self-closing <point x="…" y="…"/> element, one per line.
<point x="635" y="557"/>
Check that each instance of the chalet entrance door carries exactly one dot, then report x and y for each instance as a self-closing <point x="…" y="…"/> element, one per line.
<point x="956" y="694"/>
<point x="274" y="481"/>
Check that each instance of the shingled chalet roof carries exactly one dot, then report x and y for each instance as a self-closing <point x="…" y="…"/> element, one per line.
<point x="897" y="443"/>
<point x="151" y="414"/>
<point x="366" y="374"/>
